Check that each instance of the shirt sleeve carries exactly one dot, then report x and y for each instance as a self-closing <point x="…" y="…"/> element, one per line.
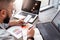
<point x="6" y="25"/>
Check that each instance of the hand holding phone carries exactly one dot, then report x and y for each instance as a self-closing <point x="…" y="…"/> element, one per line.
<point x="27" y="19"/>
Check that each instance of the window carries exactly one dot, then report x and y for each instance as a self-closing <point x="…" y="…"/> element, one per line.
<point x="44" y="3"/>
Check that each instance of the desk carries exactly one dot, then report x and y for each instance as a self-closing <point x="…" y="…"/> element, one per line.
<point x="36" y="35"/>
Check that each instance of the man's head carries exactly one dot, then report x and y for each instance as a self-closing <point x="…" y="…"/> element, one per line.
<point x="6" y="7"/>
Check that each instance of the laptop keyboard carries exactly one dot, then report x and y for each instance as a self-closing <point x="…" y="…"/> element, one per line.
<point x="33" y="16"/>
<point x="22" y="13"/>
<point x="25" y="14"/>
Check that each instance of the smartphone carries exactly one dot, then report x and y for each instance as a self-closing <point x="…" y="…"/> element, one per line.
<point x="30" y="26"/>
<point x="27" y="18"/>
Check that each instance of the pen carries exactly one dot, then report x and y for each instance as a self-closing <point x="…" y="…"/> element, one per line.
<point x="30" y="27"/>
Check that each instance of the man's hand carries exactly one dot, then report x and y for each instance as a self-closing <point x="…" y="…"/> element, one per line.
<point x="31" y="32"/>
<point x="16" y="23"/>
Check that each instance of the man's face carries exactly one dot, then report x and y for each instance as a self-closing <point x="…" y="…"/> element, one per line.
<point x="9" y="12"/>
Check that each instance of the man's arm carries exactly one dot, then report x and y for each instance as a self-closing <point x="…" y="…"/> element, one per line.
<point x="30" y="34"/>
<point x="16" y="23"/>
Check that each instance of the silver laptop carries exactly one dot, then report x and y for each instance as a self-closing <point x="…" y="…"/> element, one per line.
<point x="30" y="7"/>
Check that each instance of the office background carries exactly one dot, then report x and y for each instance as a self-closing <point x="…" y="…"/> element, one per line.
<point x="44" y="4"/>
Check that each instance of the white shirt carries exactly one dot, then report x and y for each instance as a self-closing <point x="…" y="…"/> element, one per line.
<point x="4" y="35"/>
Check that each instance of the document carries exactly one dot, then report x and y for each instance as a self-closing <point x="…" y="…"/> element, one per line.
<point x="16" y="31"/>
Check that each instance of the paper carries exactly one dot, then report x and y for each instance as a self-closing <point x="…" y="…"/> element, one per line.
<point x="16" y="31"/>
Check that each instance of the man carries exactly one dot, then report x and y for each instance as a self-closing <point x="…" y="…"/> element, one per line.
<point x="6" y="8"/>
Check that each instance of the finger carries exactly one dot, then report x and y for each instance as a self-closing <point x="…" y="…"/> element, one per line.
<point x="31" y="32"/>
<point x="21" y="21"/>
<point x="30" y="29"/>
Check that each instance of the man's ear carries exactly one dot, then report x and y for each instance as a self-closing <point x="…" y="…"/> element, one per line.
<point x="3" y="13"/>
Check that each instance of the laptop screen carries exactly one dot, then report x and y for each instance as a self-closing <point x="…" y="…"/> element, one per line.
<point x="56" y="20"/>
<point x="31" y="6"/>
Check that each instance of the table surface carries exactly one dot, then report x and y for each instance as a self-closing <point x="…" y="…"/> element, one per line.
<point x="37" y="34"/>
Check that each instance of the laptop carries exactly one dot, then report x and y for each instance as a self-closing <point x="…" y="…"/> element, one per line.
<point x="50" y="30"/>
<point x="30" y="7"/>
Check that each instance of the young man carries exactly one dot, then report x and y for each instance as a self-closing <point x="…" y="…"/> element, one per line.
<point x="6" y="8"/>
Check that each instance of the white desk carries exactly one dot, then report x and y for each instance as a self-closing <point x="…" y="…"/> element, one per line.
<point x="36" y="35"/>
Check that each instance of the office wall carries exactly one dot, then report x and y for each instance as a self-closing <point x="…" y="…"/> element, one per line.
<point x="44" y="3"/>
<point x="18" y="5"/>
<point x="56" y="3"/>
